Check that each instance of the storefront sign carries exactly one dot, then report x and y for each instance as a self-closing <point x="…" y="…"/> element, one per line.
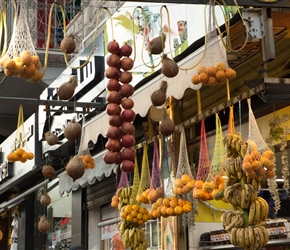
<point x="107" y="232"/>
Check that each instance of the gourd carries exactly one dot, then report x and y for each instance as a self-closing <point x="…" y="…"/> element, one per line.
<point x="67" y="89"/>
<point x="51" y="138"/>
<point x="43" y="224"/>
<point x="73" y="130"/>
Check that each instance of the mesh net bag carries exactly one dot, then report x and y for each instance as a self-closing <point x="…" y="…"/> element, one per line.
<point x="144" y="185"/>
<point x="219" y="150"/>
<point x="166" y="167"/>
<point x="21" y="59"/>
<point x="84" y="152"/>
<point x="259" y="160"/>
<point x="156" y="188"/>
<point x="20" y="151"/>
<point x="213" y="67"/>
<point x="203" y="168"/>
<point x="186" y="182"/>
<point x="136" y="183"/>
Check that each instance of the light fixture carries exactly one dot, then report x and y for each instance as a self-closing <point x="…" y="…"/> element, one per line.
<point x="279" y="180"/>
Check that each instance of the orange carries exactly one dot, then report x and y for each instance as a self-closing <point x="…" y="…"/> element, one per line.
<point x="129" y="217"/>
<point x="145" y="217"/>
<point x="123" y="215"/>
<point x="139" y="216"/>
<point x="190" y="184"/>
<point x="178" y="183"/>
<point x="198" y="184"/>
<point x="170" y="211"/>
<point x="128" y="209"/>
<point x="187" y="208"/>
<point x="134" y="213"/>
<point x="185" y="178"/>
<point x="178" y="210"/>
<point x="135" y="207"/>
<point x="166" y="202"/>
<point x="181" y="202"/>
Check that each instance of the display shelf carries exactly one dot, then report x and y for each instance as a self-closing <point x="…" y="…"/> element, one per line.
<point x="277" y="242"/>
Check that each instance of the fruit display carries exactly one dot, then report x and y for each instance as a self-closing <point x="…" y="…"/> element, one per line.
<point x="121" y="130"/>
<point x="209" y="190"/>
<point x="170" y="206"/>
<point x="245" y="225"/>
<point x="20" y="155"/>
<point x="25" y="66"/>
<point x="132" y="218"/>
<point x="183" y="185"/>
<point x="213" y="75"/>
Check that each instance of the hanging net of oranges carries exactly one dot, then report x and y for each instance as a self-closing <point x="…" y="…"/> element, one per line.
<point x="21" y="59"/>
<point x="20" y="151"/>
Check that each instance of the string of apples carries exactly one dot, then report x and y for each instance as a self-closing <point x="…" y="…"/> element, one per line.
<point x="121" y="130"/>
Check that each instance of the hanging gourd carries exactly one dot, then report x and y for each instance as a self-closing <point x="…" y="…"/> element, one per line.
<point x="21" y="59"/>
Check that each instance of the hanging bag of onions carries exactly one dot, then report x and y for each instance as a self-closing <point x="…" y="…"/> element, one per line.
<point x="20" y="151"/>
<point x="21" y="59"/>
<point x="118" y="200"/>
<point x="213" y="67"/>
<point x="144" y="187"/>
<point x="156" y="189"/>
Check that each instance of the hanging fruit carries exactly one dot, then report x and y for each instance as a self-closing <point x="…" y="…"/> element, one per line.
<point x="43" y="224"/>
<point x="169" y="67"/>
<point x="67" y="89"/>
<point x="48" y="171"/>
<point x="51" y="138"/>
<point x="68" y="45"/>
<point x="158" y="97"/>
<point x="45" y="200"/>
<point x="75" y="168"/>
<point x="73" y="130"/>
<point x="121" y="131"/>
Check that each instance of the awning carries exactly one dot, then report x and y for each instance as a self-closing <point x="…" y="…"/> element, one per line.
<point x="101" y="170"/>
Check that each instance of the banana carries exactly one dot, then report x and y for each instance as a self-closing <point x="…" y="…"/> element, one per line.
<point x="241" y="237"/>
<point x="264" y="208"/>
<point x="251" y="237"/>
<point x="234" y="222"/>
<point x="252" y="213"/>
<point x="246" y="236"/>
<point x="258" y="242"/>
<point x="223" y="218"/>
<point x="119" y="193"/>
<point x="255" y="183"/>
<point x="233" y="236"/>
<point x="248" y="195"/>
<point x="257" y="217"/>
<point x="238" y="168"/>
<point x="261" y="235"/>
<point x="253" y="192"/>
<point x="243" y="199"/>
<point x="266" y="235"/>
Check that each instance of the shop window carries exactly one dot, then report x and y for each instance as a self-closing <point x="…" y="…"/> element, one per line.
<point x="59" y="214"/>
<point x="153" y="234"/>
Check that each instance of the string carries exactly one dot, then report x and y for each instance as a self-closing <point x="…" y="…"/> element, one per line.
<point x="198" y="102"/>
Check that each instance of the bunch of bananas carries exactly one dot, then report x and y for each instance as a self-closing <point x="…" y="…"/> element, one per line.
<point x="235" y="145"/>
<point x="132" y="237"/>
<point x="251" y="237"/>
<point x="241" y="191"/>
<point x="258" y="211"/>
<point x="231" y="219"/>
<point x="123" y="194"/>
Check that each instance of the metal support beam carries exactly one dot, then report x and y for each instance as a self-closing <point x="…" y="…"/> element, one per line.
<point x="55" y="103"/>
<point x="255" y="3"/>
<point x="222" y="106"/>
